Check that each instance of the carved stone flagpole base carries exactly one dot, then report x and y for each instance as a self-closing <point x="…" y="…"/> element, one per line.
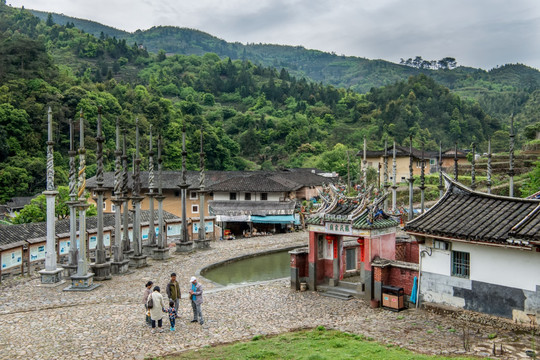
<point x="102" y="271"/>
<point x="51" y="278"/>
<point x="148" y="249"/>
<point x="161" y="254"/>
<point x="184" y="247"/>
<point x="137" y="261"/>
<point x="203" y="244"/>
<point x="82" y="283"/>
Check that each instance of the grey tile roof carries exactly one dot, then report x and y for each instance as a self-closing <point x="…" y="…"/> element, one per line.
<point x="403" y="151"/>
<point x="474" y="216"/>
<point x="10" y="234"/>
<point x="255" y="181"/>
<point x="19" y="202"/>
<point x="260" y="208"/>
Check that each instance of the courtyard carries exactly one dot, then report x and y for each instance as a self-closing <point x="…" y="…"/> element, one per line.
<point x="108" y="323"/>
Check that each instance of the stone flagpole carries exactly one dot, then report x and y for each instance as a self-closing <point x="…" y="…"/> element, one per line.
<point x="422" y="181"/>
<point x="150" y="246"/>
<point x="119" y="265"/>
<point x="71" y="267"/>
<point x="202" y="242"/>
<point x="102" y="268"/>
<point x="411" y="181"/>
<point x="364" y="165"/>
<point x="441" y="187"/>
<point x="162" y="251"/>
<point x="386" y="184"/>
<point x="137" y="260"/>
<point x="473" y="167"/>
<point x="455" y="163"/>
<point x="511" y="172"/>
<point x="489" y="167"/>
<point x="52" y="274"/>
<point x="83" y="280"/>
<point x="394" y="174"/>
<point x="184" y="245"/>
<point x="126" y="242"/>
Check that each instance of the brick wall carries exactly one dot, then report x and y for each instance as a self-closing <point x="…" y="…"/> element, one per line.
<point x="395" y="276"/>
<point x="407" y="251"/>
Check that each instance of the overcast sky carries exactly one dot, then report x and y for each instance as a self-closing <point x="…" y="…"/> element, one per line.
<point x="478" y="33"/>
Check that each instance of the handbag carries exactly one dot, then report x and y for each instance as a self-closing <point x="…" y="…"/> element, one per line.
<point x="150" y="303"/>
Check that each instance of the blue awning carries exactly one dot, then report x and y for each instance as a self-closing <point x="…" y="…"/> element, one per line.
<point x="273" y="219"/>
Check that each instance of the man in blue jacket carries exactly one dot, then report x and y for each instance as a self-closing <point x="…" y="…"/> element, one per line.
<point x="196" y="300"/>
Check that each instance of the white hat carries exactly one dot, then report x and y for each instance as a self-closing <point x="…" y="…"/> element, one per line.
<point x="193" y="278"/>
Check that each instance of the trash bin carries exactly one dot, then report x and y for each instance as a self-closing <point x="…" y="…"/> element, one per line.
<point x="393" y="298"/>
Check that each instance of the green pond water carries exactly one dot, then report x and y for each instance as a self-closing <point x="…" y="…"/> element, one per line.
<point x="259" y="268"/>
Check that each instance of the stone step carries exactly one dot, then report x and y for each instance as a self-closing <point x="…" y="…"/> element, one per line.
<point x="351" y="285"/>
<point x="336" y="295"/>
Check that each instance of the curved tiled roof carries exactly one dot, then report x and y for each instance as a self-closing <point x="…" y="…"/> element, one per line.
<point x="469" y="215"/>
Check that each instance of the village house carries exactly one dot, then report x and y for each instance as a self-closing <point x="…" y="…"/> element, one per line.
<point x="277" y="196"/>
<point x="480" y="252"/>
<point x="376" y="158"/>
<point x="22" y="247"/>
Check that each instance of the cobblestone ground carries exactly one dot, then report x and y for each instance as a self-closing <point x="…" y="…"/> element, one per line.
<point x="107" y="323"/>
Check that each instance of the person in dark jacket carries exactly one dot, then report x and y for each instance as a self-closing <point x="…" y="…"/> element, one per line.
<point x="173" y="291"/>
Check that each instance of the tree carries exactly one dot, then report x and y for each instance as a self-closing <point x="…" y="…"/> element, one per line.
<point x="50" y="21"/>
<point x="36" y="211"/>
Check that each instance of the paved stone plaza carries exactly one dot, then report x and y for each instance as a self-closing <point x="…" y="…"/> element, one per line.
<point x="107" y="323"/>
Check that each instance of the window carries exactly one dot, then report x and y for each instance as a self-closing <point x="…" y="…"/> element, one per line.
<point x="177" y="193"/>
<point x="460" y="264"/>
<point x="441" y="245"/>
<point x="113" y="208"/>
<point x="432" y="162"/>
<point x="350" y="259"/>
<point x="104" y="205"/>
<point x="195" y="209"/>
<point x="193" y="195"/>
<point x="247" y="196"/>
<point x="232" y="196"/>
<point x="264" y="196"/>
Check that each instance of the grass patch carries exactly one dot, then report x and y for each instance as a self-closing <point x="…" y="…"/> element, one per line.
<point x="317" y="344"/>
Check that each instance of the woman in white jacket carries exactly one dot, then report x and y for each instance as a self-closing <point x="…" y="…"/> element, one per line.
<point x="156" y="312"/>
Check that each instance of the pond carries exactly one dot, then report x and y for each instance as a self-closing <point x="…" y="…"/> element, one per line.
<point x="259" y="268"/>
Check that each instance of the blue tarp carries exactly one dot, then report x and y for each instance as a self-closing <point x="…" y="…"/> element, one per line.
<point x="413" y="292"/>
<point x="273" y="219"/>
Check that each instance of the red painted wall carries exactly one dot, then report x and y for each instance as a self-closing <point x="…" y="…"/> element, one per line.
<point x="396" y="277"/>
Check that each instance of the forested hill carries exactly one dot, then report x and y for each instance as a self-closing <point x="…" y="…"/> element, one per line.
<point x="252" y="116"/>
<point x="502" y="91"/>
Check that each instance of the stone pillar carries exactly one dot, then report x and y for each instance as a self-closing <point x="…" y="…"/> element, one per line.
<point x="83" y="280"/>
<point x="411" y="181"/>
<point x="52" y="274"/>
<point x="202" y="242"/>
<point x="119" y="265"/>
<point x="422" y="182"/>
<point x="101" y="268"/>
<point x="70" y="267"/>
<point x="511" y="172"/>
<point x="126" y="243"/>
<point x="385" y="176"/>
<point x="455" y="163"/>
<point x="184" y="245"/>
<point x="394" y="174"/>
<point x="137" y="260"/>
<point x="489" y="167"/>
<point x="364" y="165"/>
<point x="150" y="246"/>
<point x="441" y="187"/>
<point x="473" y="170"/>
<point x="162" y="251"/>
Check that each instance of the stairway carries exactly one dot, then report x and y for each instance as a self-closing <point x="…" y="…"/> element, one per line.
<point x="344" y="291"/>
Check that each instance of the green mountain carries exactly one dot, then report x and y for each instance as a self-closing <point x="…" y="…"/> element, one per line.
<point x="253" y="116"/>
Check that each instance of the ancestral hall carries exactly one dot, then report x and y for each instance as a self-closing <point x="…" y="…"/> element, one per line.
<point x="481" y="252"/>
<point x="353" y="238"/>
